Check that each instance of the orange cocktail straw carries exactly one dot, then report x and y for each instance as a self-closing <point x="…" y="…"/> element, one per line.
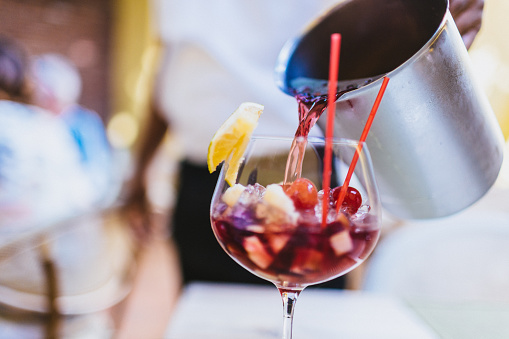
<point x="331" y="109"/>
<point x="364" y="134"/>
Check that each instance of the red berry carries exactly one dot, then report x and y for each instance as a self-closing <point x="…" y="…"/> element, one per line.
<point x="303" y="193"/>
<point x="352" y="200"/>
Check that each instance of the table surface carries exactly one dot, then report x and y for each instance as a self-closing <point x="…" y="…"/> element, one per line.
<point x="231" y="311"/>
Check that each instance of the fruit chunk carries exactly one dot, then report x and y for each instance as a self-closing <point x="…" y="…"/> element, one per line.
<point x="257" y="252"/>
<point x="279" y="207"/>
<point x="232" y="138"/>
<point x="306" y="260"/>
<point x="278" y="241"/>
<point x="303" y="193"/>
<point x="341" y="243"/>
<point x="276" y="197"/>
<point x="232" y="194"/>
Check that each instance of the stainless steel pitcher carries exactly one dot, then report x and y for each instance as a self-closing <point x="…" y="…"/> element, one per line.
<point x="435" y="142"/>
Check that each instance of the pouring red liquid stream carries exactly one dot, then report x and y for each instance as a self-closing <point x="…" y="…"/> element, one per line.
<point x="310" y="108"/>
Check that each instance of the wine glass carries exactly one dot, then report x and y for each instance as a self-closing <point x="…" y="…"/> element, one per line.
<point x="274" y="227"/>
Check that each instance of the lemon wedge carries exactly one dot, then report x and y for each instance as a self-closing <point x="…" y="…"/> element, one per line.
<point x="232" y="138"/>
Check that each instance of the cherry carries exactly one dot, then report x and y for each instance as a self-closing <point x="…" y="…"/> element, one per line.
<point x="303" y="193"/>
<point x="352" y="200"/>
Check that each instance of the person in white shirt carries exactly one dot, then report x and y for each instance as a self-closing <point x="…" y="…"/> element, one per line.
<point x="217" y="55"/>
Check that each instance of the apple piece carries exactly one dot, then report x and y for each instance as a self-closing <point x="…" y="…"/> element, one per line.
<point x="276" y="198"/>
<point x="341" y="243"/>
<point x="232" y="194"/>
<point x="257" y="252"/>
<point x="278" y="241"/>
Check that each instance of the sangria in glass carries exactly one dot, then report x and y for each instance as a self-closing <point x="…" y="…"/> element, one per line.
<point x="270" y="220"/>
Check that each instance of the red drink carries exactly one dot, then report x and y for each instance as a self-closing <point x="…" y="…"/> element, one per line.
<point x="302" y="251"/>
<point x="292" y="249"/>
<point x="276" y="230"/>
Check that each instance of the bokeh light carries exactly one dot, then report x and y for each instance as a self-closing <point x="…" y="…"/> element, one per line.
<point x="123" y="130"/>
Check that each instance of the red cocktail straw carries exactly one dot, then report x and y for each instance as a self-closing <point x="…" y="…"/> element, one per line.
<point x="331" y="109"/>
<point x="364" y="134"/>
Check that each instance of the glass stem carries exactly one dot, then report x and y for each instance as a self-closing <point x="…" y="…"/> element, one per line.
<point x="289" y="299"/>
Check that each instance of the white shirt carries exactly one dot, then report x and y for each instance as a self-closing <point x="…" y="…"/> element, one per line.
<point x="222" y="53"/>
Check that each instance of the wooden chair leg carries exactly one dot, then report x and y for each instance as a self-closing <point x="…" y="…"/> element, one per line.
<point x="50" y="272"/>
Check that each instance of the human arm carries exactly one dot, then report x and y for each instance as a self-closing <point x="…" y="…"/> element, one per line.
<point x="136" y="206"/>
<point x="467" y="15"/>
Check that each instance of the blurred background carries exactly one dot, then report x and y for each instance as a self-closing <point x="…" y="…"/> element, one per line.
<point x="115" y="45"/>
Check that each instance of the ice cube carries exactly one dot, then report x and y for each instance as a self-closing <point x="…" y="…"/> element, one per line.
<point x="331" y="209"/>
<point x="232" y="194"/>
<point x="248" y="196"/>
<point x="242" y="216"/>
<point x="341" y="242"/>
<point x="343" y="219"/>
<point x="259" y="190"/>
<point x="362" y="213"/>
<point x="257" y="252"/>
<point x="309" y="217"/>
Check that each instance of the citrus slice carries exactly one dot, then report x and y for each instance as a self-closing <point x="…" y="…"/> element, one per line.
<point x="232" y="139"/>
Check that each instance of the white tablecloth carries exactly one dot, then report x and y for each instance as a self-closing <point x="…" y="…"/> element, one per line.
<point x="227" y="311"/>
